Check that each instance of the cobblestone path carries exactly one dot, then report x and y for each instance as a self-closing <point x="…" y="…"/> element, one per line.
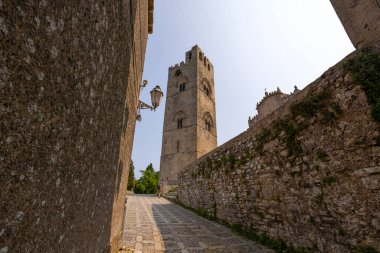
<point x="156" y="225"/>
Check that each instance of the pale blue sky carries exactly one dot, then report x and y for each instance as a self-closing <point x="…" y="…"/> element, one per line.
<point x="253" y="45"/>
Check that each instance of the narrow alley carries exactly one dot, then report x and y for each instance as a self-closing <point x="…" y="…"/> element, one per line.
<point x="156" y="225"/>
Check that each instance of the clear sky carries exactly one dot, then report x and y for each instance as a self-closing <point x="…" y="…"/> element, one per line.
<point x="253" y="44"/>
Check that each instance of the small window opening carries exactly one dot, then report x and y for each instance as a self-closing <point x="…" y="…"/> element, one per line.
<point x="204" y="61"/>
<point x="182" y="87"/>
<point x="208" y="65"/>
<point x="207" y="91"/>
<point x="179" y="123"/>
<point x="190" y="55"/>
<point x="177" y="146"/>
<point x="208" y="125"/>
<point x="200" y="56"/>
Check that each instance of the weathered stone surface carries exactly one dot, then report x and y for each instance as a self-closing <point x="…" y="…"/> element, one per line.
<point x="69" y="85"/>
<point x="326" y="197"/>
<point x="361" y="20"/>
<point x="371" y="183"/>
<point x="376" y="224"/>
<point x="367" y="171"/>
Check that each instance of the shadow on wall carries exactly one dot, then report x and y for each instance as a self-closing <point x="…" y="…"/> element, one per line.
<point x="182" y="229"/>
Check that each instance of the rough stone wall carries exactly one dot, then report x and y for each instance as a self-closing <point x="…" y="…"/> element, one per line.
<point x="325" y="196"/>
<point x="182" y="146"/>
<point x="361" y="20"/>
<point x="70" y="75"/>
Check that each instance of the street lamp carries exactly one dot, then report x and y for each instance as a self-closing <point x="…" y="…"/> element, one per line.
<point x="156" y="95"/>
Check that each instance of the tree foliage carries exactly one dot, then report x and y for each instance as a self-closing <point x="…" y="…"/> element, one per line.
<point x="131" y="177"/>
<point x="148" y="182"/>
<point x="364" y="69"/>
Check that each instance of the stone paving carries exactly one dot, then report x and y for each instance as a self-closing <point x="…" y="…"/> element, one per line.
<point x="156" y="225"/>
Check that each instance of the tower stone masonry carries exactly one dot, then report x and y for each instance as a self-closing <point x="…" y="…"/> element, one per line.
<point x="190" y="120"/>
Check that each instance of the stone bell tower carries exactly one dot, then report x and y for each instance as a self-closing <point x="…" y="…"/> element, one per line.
<point x="190" y="119"/>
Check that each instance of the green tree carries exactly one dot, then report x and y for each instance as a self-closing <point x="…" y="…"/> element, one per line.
<point x="131" y="177"/>
<point x="147" y="184"/>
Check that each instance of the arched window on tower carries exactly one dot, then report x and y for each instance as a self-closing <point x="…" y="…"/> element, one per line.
<point x="182" y="87"/>
<point x="190" y="55"/>
<point x="179" y="123"/>
<point x="181" y="83"/>
<point x="200" y="56"/>
<point x="208" y="66"/>
<point x="206" y="88"/>
<point x="205" y="61"/>
<point x="208" y="125"/>
<point x="208" y="122"/>
<point x="179" y="119"/>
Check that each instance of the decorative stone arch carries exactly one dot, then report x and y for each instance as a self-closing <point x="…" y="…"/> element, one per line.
<point x="206" y="87"/>
<point x="208" y="122"/>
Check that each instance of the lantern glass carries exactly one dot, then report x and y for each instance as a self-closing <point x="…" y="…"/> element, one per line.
<point x="156" y="96"/>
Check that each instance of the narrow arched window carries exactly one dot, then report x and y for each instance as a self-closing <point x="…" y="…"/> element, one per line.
<point x="182" y="87"/>
<point x="179" y="123"/>
<point x="180" y="119"/>
<point x="204" y="61"/>
<point x="206" y="88"/>
<point x="208" y="121"/>
<point x="190" y="55"/>
<point x="208" y="125"/>
<point x="200" y="56"/>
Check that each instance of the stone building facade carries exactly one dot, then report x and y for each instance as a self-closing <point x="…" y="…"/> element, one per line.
<point x="190" y="119"/>
<point x="70" y="76"/>
<point x="361" y="20"/>
<point x="270" y="103"/>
